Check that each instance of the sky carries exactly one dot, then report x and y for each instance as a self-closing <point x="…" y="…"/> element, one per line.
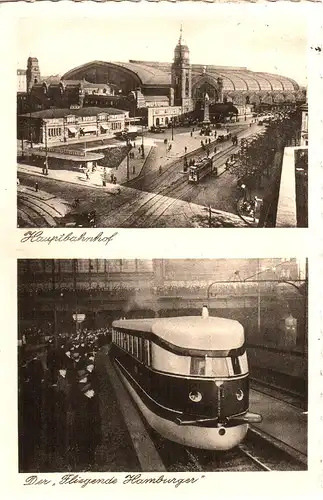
<point x="258" y="37"/>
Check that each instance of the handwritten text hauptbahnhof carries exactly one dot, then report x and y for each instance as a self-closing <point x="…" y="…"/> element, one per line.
<point x="71" y="237"/>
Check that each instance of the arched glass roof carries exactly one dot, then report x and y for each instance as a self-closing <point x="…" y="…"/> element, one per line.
<point x="234" y="79"/>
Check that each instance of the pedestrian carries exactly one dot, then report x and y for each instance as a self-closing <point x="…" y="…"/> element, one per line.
<point x="191" y="134"/>
<point x="139" y="150"/>
<point x="114" y="180"/>
<point x="36" y="187"/>
<point x="185" y="149"/>
<point x="215" y="149"/>
<point x="209" y="141"/>
<point x="160" y="169"/>
<point x="87" y="175"/>
<point x="111" y="178"/>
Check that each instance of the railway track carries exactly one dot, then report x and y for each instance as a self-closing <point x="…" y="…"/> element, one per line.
<point x="253" y="455"/>
<point x="288" y="396"/>
<point x="152" y="209"/>
<point x="170" y="183"/>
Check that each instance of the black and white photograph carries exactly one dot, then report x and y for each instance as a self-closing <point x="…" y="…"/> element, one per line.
<point x="195" y="119"/>
<point x="162" y="365"/>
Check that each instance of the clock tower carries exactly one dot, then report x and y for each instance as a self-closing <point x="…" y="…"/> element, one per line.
<point x="182" y="76"/>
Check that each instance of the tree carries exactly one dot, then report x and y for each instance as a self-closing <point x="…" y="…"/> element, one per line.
<point x="257" y="154"/>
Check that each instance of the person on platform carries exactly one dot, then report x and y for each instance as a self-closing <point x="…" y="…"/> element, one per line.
<point x="36" y="187"/>
<point x="87" y="422"/>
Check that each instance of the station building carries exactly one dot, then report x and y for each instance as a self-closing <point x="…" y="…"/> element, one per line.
<point x="138" y="86"/>
<point x="59" y="126"/>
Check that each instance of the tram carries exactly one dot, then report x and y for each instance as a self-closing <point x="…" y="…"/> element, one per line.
<point x="188" y="376"/>
<point x="224" y="136"/>
<point x="201" y="168"/>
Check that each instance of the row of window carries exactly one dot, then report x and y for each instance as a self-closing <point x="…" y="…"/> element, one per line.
<point x="85" y="265"/>
<point x="153" y="355"/>
<point x="139" y="348"/>
<point x="116" y="125"/>
<point x="54" y="132"/>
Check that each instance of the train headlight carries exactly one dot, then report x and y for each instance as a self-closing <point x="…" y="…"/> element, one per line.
<point x="239" y="394"/>
<point x="195" y="396"/>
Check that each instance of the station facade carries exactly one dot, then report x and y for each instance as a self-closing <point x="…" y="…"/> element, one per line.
<point x="141" y="85"/>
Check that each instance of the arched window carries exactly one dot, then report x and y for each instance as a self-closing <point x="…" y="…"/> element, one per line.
<point x="157" y="121"/>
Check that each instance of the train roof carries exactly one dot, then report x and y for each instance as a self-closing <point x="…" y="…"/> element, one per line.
<point x="191" y="332"/>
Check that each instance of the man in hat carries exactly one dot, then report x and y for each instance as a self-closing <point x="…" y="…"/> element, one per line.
<point x="87" y="421"/>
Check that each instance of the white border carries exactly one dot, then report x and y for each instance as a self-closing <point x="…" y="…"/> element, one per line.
<point x="166" y="243"/>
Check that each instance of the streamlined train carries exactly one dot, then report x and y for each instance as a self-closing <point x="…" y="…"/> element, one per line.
<point x="188" y="376"/>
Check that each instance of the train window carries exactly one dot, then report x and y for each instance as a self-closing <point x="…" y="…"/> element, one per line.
<point x="244" y="363"/>
<point x="236" y="365"/>
<point x="135" y="347"/>
<point x="168" y="362"/>
<point x="197" y="366"/>
<point x="140" y="354"/>
<point x="217" y="367"/>
<point x="146" y="353"/>
<point x="131" y="344"/>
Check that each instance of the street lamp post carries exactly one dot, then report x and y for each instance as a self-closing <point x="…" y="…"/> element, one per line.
<point x="172" y="124"/>
<point x="142" y="142"/>
<point x="128" y="166"/>
<point x="46" y="150"/>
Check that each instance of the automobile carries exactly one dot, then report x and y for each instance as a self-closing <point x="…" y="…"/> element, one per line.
<point x="157" y="130"/>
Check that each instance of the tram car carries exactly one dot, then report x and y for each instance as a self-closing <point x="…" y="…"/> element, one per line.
<point x="188" y="376"/>
<point x="201" y="169"/>
<point x="225" y="136"/>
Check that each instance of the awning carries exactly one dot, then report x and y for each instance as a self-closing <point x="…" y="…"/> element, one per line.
<point x="89" y="129"/>
<point x="105" y="127"/>
<point x="73" y="130"/>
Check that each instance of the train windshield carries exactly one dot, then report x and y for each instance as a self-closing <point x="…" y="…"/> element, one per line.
<point x="219" y="367"/>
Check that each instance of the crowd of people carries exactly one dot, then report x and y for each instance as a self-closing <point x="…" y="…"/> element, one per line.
<point x="122" y="292"/>
<point x="58" y="398"/>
